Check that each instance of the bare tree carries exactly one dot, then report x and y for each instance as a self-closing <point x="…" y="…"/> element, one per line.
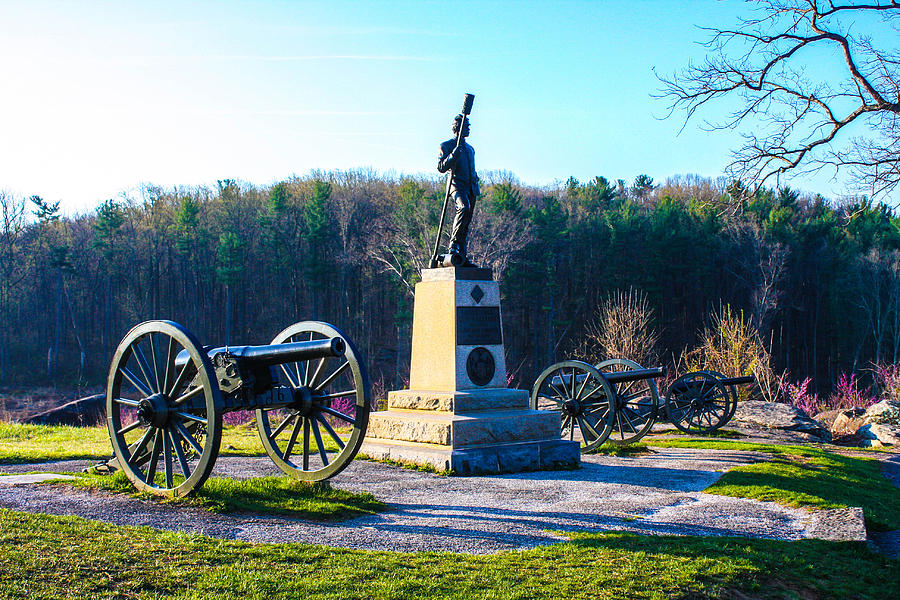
<point x="497" y="239"/>
<point x="622" y="327"/>
<point x="12" y="212"/>
<point x="794" y="110"/>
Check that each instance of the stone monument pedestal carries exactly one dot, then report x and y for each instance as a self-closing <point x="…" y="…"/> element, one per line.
<point x="458" y="413"/>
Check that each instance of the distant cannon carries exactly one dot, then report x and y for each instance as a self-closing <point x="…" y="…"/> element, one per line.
<point x="617" y="400"/>
<point x="166" y="395"/>
<point x="703" y="401"/>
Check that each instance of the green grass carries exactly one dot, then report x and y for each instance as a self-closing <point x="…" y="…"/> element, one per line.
<point x="806" y="476"/>
<point x="278" y="495"/>
<point x="610" y="449"/>
<point x="20" y="443"/>
<point x="69" y="557"/>
<point x="719" y="433"/>
<point x="27" y="443"/>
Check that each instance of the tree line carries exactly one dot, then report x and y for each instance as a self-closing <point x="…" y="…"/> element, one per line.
<point x="236" y="263"/>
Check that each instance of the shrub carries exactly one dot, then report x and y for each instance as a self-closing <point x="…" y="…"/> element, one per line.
<point x="847" y="394"/>
<point x="798" y="395"/>
<point x="622" y="327"/>
<point x="239" y="417"/>
<point x="888" y="378"/>
<point x="731" y="345"/>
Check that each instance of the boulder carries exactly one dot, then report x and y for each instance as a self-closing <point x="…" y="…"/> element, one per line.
<point x="847" y="422"/>
<point x="826" y="417"/>
<point x="886" y="411"/>
<point x="880" y="434"/>
<point x="776" y="415"/>
<point x="84" y="411"/>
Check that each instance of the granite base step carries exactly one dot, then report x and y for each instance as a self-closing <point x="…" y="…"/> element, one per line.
<point x="459" y="401"/>
<point x="463" y="430"/>
<point x="479" y="460"/>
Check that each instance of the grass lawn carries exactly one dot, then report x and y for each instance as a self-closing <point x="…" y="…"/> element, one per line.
<point x="69" y="557"/>
<point x="610" y="449"/>
<point x="279" y="495"/>
<point x="43" y="556"/>
<point x="20" y="443"/>
<point x="806" y="476"/>
<point x="719" y="433"/>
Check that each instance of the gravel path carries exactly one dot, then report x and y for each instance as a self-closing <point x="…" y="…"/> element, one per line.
<point x="652" y="494"/>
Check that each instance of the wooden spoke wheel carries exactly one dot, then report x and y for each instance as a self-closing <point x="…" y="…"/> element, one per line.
<point x="698" y="403"/>
<point x="319" y="433"/>
<point x="583" y="399"/>
<point x="732" y="390"/>
<point x="164" y="419"/>
<point x="636" y="403"/>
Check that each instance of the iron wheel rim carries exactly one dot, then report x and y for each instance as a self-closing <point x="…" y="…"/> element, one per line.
<point x="697" y="397"/>
<point x="311" y="427"/>
<point x="590" y="408"/>
<point x="166" y="412"/>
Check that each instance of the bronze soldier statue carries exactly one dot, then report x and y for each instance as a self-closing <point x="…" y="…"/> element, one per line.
<point x="459" y="157"/>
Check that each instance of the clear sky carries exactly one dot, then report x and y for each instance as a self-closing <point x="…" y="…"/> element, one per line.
<point x="99" y="97"/>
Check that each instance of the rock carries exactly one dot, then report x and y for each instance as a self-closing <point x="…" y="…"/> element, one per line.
<point x="847" y="422"/>
<point x="886" y="411"/>
<point x="884" y="435"/>
<point x="776" y="415"/>
<point x="84" y="411"/>
<point x="826" y="417"/>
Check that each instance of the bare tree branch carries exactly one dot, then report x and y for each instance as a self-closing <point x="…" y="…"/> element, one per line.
<point x="792" y="115"/>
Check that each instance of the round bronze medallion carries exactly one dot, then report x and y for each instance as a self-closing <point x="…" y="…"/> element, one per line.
<point x="480" y="366"/>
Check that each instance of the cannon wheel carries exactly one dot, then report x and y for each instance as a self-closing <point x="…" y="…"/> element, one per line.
<point x="586" y="405"/>
<point x="732" y="390"/>
<point x="698" y="403"/>
<point x="165" y="422"/>
<point x="636" y="403"/>
<point x="333" y="387"/>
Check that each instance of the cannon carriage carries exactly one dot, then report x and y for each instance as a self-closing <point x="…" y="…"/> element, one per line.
<point x="167" y="394"/>
<point x="618" y="401"/>
<point x="701" y="402"/>
<point x="610" y="401"/>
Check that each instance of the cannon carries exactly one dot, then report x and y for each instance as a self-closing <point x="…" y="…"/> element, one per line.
<point x="615" y="400"/>
<point x="618" y="400"/>
<point x="701" y="402"/>
<point x="166" y="395"/>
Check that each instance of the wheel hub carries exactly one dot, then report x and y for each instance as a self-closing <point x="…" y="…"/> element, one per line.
<point x="303" y="401"/>
<point x="153" y="411"/>
<point x="571" y="407"/>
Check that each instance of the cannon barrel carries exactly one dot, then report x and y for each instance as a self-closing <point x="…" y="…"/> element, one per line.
<point x="737" y="380"/>
<point x="615" y="377"/>
<point x="275" y="354"/>
<point x="635" y="374"/>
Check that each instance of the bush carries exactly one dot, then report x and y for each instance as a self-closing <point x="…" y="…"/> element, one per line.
<point x="847" y="394"/>
<point x="888" y="378"/>
<point x="731" y="345"/>
<point x="798" y="395"/>
<point x="622" y="328"/>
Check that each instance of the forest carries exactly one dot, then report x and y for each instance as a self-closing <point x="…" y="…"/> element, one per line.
<point x="817" y="280"/>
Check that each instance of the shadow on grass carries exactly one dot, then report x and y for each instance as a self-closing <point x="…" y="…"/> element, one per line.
<point x="765" y="568"/>
<point x="62" y="557"/>
<point x="266" y="495"/>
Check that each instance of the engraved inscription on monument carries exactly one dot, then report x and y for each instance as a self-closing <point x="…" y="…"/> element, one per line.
<point x="478" y="326"/>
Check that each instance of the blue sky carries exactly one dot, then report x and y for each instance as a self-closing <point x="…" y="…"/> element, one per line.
<point x="99" y="97"/>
